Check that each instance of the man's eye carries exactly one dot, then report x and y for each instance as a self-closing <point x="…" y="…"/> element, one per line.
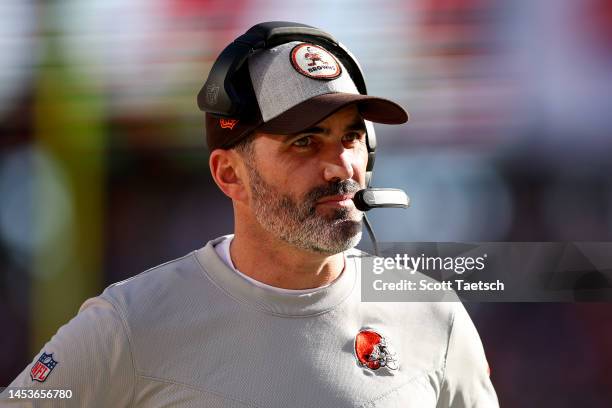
<point x="303" y="142"/>
<point x="351" y="137"/>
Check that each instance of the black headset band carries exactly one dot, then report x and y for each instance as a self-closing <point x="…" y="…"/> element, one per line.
<point x="266" y="35"/>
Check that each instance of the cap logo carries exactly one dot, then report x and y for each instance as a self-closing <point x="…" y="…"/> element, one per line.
<point x="314" y="62"/>
<point x="212" y="94"/>
<point x="43" y="367"/>
<point x="227" y="123"/>
<point x="373" y="351"/>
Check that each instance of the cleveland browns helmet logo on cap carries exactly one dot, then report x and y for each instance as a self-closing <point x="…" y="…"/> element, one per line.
<point x="373" y="351"/>
<point x="315" y="62"/>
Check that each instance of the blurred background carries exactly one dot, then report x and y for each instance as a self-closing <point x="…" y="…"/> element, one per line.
<point x="103" y="164"/>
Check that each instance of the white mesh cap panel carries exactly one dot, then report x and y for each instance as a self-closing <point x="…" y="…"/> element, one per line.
<point x="279" y="86"/>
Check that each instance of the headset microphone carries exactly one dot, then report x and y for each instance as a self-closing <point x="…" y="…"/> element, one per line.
<point x="369" y="198"/>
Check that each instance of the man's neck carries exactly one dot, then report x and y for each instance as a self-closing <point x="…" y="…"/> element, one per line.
<point x="277" y="263"/>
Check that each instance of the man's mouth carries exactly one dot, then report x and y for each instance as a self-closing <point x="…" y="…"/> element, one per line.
<point x="338" y="201"/>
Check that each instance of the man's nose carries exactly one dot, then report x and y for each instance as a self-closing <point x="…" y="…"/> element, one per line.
<point x="339" y="166"/>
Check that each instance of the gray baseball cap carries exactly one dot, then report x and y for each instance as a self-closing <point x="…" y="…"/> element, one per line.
<point x="297" y="85"/>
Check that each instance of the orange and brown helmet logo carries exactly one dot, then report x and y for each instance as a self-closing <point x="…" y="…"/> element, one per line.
<point x="373" y="351"/>
<point x="315" y="62"/>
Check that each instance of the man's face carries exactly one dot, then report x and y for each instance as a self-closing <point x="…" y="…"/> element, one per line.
<point x="301" y="185"/>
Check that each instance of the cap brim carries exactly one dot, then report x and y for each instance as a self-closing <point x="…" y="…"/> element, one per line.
<point x="316" y="109"/>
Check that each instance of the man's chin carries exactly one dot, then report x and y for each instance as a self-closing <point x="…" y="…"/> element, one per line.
<point x="348" y="243"/>
<point x="347" y="235"/>
<point x="330" y="238"/>
<point x="348" y="228"/>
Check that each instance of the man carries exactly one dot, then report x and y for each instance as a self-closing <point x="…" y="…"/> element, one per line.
<point x="271" y="315"/>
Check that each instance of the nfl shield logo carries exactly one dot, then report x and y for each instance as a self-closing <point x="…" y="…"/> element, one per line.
<point x="43" y="367"/>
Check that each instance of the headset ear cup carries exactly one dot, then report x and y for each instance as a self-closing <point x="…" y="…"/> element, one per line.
<point x="371" y="145"/>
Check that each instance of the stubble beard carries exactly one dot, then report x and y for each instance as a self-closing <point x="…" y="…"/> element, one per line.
<point x="298" y="223"/>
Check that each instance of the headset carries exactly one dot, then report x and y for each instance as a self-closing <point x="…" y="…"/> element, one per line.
<point x="234" y="95"/>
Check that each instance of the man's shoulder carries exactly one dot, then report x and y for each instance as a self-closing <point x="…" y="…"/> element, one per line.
<point x="161" y="281"/>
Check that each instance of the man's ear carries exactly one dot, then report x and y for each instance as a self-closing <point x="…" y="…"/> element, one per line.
<point x="228" y="172"/>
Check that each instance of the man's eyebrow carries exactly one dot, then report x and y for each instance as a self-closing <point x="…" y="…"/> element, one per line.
<point x="356" y="125"/>
<point x="314" y="129"/>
